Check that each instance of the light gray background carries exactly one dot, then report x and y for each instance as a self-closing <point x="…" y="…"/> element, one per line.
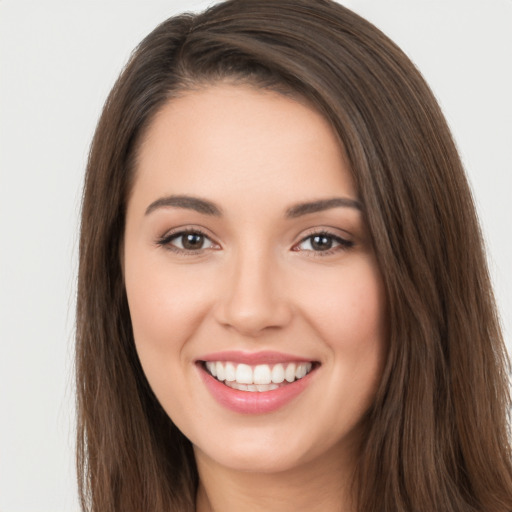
<point x="58" y="60"/>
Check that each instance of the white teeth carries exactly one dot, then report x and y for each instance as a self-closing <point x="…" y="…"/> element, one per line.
<point x="262" y="377"/>
<point x="230" y="371"/>
<point x="301" y="371"/>
<point x="289" y="373"/>
<point x="278" y="374"/>
<point x="266" y="387"/>
<point x="235" y="385"/>
<point x="262" y="374"/>
<point x="243" y="374"/>
<point x="252" y="387"/>
<point x="221" y="372"/>
<point x="212" y="368"/>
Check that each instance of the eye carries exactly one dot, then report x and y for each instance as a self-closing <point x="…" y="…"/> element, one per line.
<point x="323" y="243"/>
<point x="187" y="241"/>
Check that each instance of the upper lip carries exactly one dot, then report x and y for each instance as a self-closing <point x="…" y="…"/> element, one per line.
<point x="254" y="358"/>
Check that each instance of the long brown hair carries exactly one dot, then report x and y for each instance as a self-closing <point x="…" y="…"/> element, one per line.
<point x="436" y="436"/>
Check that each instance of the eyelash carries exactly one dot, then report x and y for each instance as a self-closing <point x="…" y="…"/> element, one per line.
<point x="343" y="243"/>
<point x="166" y="242"/>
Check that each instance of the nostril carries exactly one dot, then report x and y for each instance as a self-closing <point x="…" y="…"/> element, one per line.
<point x="252" y="320"/>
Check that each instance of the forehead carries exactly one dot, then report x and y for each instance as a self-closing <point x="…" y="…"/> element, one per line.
<point x="229" y="137"/>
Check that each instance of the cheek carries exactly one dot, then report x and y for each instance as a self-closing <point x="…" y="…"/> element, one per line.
<point x="348" y="311"/>
<point x="348" y="307"/>
<point x="166" y="306"/>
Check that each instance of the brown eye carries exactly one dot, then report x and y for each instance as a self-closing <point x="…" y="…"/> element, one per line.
<point x="187" y="241"/>
<point x="323" y="242"/>
<point x="192" y="241"/>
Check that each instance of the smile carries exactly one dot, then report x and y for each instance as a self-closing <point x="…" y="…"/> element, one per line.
<point x="258" y="378"/>
<point x="255" y="383"/>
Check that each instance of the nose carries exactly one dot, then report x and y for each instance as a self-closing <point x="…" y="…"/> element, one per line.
<point x="253" y="299"/>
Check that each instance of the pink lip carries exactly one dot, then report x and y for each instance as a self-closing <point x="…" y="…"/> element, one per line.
<point x="253" y="358"/>
<point x="249" y="402"/>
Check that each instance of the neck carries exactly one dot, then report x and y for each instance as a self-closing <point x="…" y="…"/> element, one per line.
<point x="319" y="485"/>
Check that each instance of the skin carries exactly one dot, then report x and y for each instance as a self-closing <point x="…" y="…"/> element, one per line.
<point x="257" y="283"/>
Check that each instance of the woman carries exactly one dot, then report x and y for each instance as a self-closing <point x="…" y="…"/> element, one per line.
<point x="283" y="298"/>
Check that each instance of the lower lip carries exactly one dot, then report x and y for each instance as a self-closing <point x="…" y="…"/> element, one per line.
<point x="253" y="402"/>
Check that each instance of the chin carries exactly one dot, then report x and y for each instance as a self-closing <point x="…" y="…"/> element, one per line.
<point x="255" y="460"/>
<point x="258" y="450"/>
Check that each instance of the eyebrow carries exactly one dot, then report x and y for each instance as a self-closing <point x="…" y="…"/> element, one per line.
<point x="322" y="204"/>
<point x="186" y="202"/>
<point x="208" y="208"/>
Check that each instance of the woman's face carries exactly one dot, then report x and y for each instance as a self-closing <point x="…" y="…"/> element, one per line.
<point x="246" y="257"/>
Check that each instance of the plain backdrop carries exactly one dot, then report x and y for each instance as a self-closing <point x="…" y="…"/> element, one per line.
<point x="58" y="60"/>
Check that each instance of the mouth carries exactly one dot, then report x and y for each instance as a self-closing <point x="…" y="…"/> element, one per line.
<point x="258" y="378"/>
<point x="256" y="383"/>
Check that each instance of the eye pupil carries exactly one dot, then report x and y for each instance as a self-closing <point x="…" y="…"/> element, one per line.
<point x="192" y="241"/>
<point x="321" y="242"/>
